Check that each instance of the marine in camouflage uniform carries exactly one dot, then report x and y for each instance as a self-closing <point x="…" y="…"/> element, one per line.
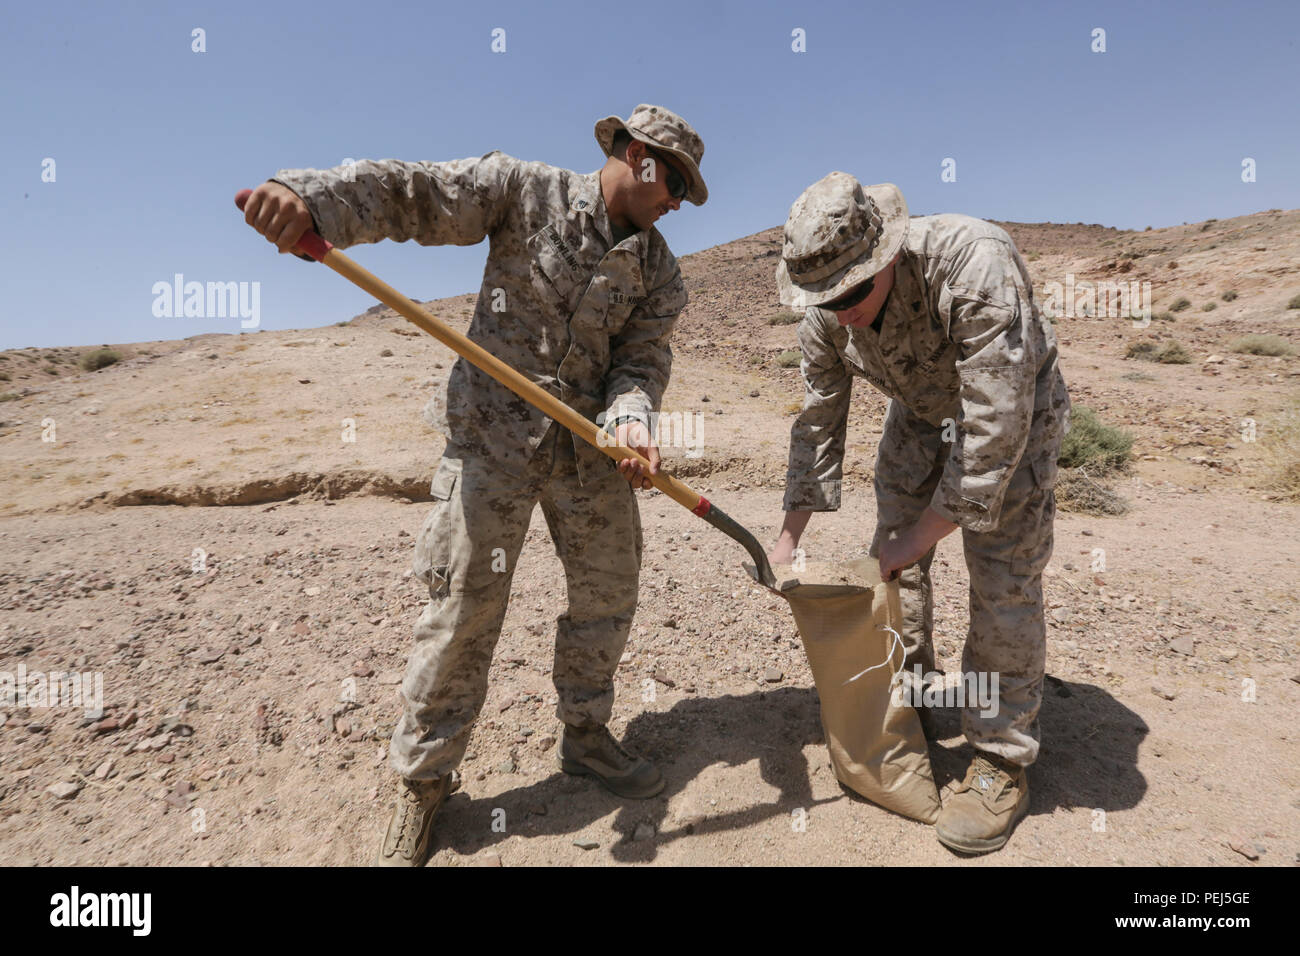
<point x="585" y="310"/>
<point x="978" y="409"/>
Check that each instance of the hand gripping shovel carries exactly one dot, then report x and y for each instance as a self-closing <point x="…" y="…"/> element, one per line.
<point x="313" y="245"/>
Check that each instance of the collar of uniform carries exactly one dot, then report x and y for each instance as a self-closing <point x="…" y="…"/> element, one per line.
<point x="585" y="198"/>
<point x="899" y="304"/>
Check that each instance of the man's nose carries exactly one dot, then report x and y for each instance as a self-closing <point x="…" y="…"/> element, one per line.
<point x="674" y="204"/>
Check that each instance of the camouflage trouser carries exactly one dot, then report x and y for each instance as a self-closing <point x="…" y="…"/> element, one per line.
<point x="1007" y="632"/>
<point x="466" y="554"/>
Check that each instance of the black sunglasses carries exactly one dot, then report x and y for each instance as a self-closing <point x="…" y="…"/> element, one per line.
<point x="672" y="178"/>
<point x="851" y="298"/>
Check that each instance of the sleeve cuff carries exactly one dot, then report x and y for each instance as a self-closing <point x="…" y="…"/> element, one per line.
<point x="966" y="512"/>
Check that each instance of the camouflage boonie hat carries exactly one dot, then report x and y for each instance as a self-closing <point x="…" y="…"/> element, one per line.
<point x="839" y="234"/>
<point x="662" y="129"/>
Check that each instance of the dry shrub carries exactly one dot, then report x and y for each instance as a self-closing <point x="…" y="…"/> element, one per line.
<point x="1077" y="491"/>
<point x="1262" y="345"/>
<point x="1280" y="442"/>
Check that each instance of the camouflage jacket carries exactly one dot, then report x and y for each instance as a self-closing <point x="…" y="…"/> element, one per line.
<point x="961" y="344"/>
<point x="585" y="318"/>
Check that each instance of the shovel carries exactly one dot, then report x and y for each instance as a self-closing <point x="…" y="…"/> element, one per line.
<point x="313" y="245"/>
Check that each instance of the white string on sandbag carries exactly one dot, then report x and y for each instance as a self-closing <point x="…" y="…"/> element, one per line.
<point x="898" y="640"/>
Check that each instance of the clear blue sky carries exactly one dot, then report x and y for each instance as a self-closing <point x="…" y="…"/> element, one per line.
<point x="151" y="140"/>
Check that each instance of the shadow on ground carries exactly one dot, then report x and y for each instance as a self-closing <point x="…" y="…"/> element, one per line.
<point x="1088" y="759"/>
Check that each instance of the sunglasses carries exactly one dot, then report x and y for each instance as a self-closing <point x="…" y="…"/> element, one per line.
<point x="854" y="296"/>
<point x="672" y="178"/>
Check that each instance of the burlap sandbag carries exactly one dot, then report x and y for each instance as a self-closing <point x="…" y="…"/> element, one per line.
<point x="877" y="747"/>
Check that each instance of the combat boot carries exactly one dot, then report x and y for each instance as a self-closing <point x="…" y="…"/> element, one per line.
<point x="406" y="841"/>
<point x="593" y="752"/>
<point x="983" y="809"/>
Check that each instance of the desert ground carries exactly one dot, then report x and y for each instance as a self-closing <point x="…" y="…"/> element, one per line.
<point x="198" y="532"/>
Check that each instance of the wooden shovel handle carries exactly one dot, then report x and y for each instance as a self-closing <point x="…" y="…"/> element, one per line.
<point x="313" y="245"/>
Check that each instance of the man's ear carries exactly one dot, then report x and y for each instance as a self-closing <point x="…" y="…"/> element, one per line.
<point x="636" y="152"/>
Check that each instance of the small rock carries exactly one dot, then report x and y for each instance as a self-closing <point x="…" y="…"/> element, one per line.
<point x="644" y="831"/>
<point x="1161" y="690"/>
<point x="627" y="656"/>
<point x="1227" y="655"/>
<point x="312" y="591"/>
<point x="209" y="655"/>
<point x="301" y="628"/>
<point x="664" y="679"/>
<point x="546" y="741"/>
<point x="103" y="770"/>
<point x="704" y="398"/>
<point x="1245" y="849"/>
<point x="488" y="859"/>
<point x="670" y="622"/>
<point x="1183" y="645"/>
<point x="1061" y="615"/>
<point x="63" y="790"/>
<point x="362" y="669"/>
<point x="506" y="766"/>
<point x="753" y="393"/>
<point x="1086" y="534"/>
<point x="587" y="844"/>
<point x="166" y="757"/>
<point x="773" y="675"/>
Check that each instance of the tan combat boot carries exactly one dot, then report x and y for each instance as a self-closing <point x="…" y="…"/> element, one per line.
<point x="406" y="841"/>
<point x="593" y="752"/>
<point x="983" y="809"/>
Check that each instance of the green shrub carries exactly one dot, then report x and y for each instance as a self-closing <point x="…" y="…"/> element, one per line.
<point x="1229" y="295"/>
<point x="5" y="376"/>
<point x="1089" y="444"/>
<point x="789" y="359"/>
<point x="1144" y="349"/>
<point x="1262" y="345"/>
<point x="100" y="358"/>
<point x="9" y="396"/>
<point x="784" y="318"/>
<point x="1163" y="317"/>
<point x="1180" y="305"/>
<point x="1294" y="303"/>
<point x="1209" y="307"/>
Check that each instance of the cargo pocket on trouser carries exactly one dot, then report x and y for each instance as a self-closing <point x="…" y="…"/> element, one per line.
<point x="1036" y="522"/>
<point x="433" y="545"/>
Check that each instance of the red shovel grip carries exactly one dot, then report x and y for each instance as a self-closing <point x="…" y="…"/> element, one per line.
<point x="310" y="244"/>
